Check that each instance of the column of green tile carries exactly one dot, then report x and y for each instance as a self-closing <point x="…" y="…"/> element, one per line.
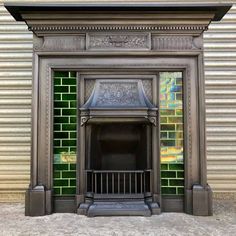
<point x="65" y="125"/>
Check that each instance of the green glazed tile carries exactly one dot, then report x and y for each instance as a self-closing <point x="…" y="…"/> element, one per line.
<point x="57" y="81"/>
<point x="61" y="135"/>
<point x="57" y="96"/>
<point x="57" y="174"/>
<point x="176" y="166"/>
<point x="180" y="191"/>
<point x="168" y="143"/>
<point x="164" y="166"/>
<point x="73" y="135"/>
<point x="72" y="166"/>
<point x="179" y="127"/>
<point x="179" y="81"/>
<point x="167" y="112"/>
<point x="73" y="104"/>
<point x="73" y="149"/>
<point x="164" y="182"/>
<point x="179" y="96"/>
<point x="68" y="97"/>
<point x="59" y="119"/>
<point x="57" y="191"/>
<point x="68" y="127"/>
<point x="68" y="143"/>
<point x="180" y="174"/>
<point x="61" y="182"/>
<point x="163" y="120"/>
<point x="164" y="134"/>
<point x="69" y="112"/>
<point x="168" y="191"/>
<point x="61" y="167"/>
<point x="175" y="120"/>
<point x="61" y="73"/>
<point x="167" y="127"/>
<point x="57" y="127"/>
<point x="168" y="174"/>
<point x="69" y="174"/>
<point x="179" y="112"/>
<point x="57" y="112"/>
<point x="72" y="182"/>
<point x="61" y="104"/>
<point x="61" y="89"/>
<point x="72" y="74"/>
<point x="69" y="81"/>
<point x="177" y="135"/>
<point x="73" y="89"/>
<point x="56" y="143"/>
<point x="73" y="119"/>
<point x="172" y="134"/>
<point x="58" y="150"/>
<point x="176" y="182"/>
<point x="69" y="191"/>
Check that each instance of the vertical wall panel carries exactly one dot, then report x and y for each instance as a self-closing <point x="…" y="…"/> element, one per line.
<point x="220" y="71"/>
<point x="15" y="102"/>
<point x="15" y="106"/>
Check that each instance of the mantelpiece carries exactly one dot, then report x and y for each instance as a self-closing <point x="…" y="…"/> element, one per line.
<point x="121" y="64"/>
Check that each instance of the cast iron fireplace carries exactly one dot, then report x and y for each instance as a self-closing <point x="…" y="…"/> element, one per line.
<point x="118" y="109"/>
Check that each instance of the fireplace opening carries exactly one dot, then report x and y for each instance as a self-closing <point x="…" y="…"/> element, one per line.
<point x="119" y="159"/>
<point x="118" y="147"/>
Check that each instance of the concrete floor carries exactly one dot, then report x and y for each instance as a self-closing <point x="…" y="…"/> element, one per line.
<point x="13" y="222"/>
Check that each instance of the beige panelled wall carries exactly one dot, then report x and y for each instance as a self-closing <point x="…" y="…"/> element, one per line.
<point x="15" y="102"/>
<point x="220" y="75"/>
<point x="15" y="106"/>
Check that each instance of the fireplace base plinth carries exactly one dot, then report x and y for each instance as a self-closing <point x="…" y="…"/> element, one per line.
<point x="202" y="200"/>
<point x="100" y="205"/>
<point x="38" y="201"/>
<point x="119" y="208"/>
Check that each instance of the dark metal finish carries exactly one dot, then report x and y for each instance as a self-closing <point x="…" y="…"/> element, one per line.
<point x="128" y="44"/>
<point x="17" y="9"/>
<point x="127" y="181"/>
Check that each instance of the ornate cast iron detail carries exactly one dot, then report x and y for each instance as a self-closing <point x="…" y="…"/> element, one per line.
<point x="118" y="94"/>
<point x="147" y="86"/>
<point x="126" y="95"/>
<point x="83" y="120"/>
<point x="89" y="86"/>
<point x="113" y="41"/>
<point x="153" y="120"/>
<point x="174" y="43"/>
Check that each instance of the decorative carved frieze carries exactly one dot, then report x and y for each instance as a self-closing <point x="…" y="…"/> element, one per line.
<point x="138" y="41"/>
<point x="174" y="42"/>
<point x="62" y="43"/>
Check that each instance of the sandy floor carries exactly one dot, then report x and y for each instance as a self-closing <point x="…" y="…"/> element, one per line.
<point x="13" y="222"/>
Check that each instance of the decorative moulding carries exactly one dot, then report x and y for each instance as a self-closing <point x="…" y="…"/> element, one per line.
<point x="114" y="41"/>
<point x="50" y="29"/>
<point x="174" y="42"/>
<point x="60" y="43"/>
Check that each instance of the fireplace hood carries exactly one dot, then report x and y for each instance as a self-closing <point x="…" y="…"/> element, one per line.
<point x="117" y="99"/>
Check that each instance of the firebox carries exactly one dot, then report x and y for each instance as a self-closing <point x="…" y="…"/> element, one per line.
<point x="118" y="114"/>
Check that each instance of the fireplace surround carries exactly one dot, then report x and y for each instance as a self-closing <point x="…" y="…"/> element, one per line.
<point x="118" y="114"/>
